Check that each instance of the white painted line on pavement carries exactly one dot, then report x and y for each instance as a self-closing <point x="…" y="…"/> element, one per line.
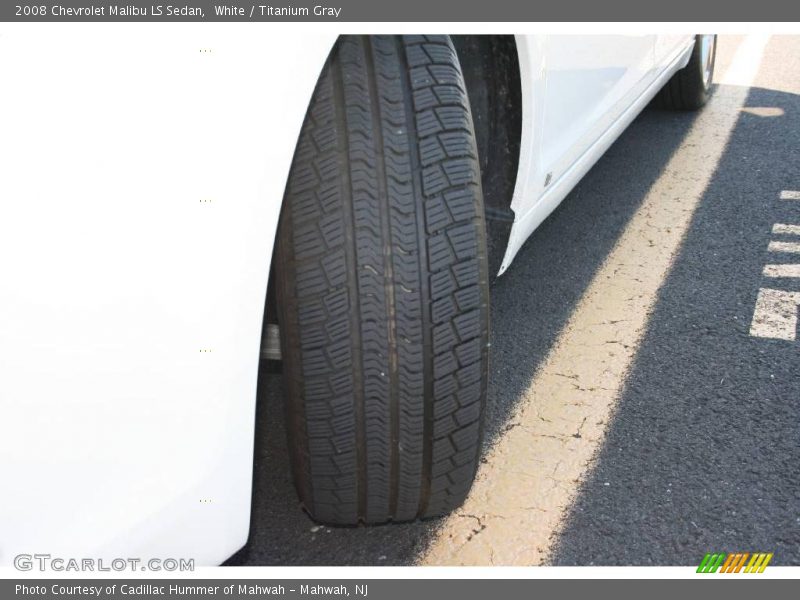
<point x="781" y="271"/>
<point x="790" y="195"/>
<point x="775" y="315"/>
<point x="791" y="247"/>
<point x="531" y="475"/>
<point x="746" y="62"/>
<point x="781" y="228"/>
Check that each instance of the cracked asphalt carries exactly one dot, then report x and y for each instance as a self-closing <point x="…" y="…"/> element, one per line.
<point x="633" y="419"/>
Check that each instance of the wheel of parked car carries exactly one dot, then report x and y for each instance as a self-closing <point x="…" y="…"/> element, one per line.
<point x="383" y="287"/>
<point x="690" y="88"/>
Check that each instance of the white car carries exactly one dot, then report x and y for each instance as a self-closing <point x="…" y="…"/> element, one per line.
<point x="153" y="186"/>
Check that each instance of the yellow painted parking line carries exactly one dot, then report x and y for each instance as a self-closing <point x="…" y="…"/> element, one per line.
<point x="531" y="475"/>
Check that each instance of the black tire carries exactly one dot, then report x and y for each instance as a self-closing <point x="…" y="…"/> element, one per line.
<point x="383" y="286"/>
<point x="689" y="89"/>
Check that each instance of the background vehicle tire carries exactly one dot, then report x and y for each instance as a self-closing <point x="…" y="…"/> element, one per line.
<point x="382" y="286"/>
<point x="690" y="88"/>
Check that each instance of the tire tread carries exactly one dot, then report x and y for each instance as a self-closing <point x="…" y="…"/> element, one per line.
<point x="383" y="286"/>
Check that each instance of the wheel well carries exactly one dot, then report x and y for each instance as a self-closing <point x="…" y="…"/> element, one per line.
<point x="490" y="66"/>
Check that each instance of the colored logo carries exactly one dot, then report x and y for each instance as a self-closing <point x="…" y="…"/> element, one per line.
<point x="735" y="562"/>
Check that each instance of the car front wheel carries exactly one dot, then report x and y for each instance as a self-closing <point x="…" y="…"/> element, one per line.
<point x="382" y="288"/>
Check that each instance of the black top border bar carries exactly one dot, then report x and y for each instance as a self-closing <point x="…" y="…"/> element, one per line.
<point x="438" y="11"/>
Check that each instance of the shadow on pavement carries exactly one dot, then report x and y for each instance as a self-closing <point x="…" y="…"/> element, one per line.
<point x="703" y="454"/>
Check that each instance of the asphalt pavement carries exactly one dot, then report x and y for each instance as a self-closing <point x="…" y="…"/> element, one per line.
<point x="701" y="449"/>
<point x="704" y="452"/>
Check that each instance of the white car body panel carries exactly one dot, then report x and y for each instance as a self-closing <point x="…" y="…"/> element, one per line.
<point x="589" y="83"/>
<point x="118" y="436"/>
<point x="140" y="189"/>
<point x="630" y="91"/>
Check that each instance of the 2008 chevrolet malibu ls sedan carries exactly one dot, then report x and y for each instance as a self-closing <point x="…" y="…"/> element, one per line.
<point x="152" y="193"/>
